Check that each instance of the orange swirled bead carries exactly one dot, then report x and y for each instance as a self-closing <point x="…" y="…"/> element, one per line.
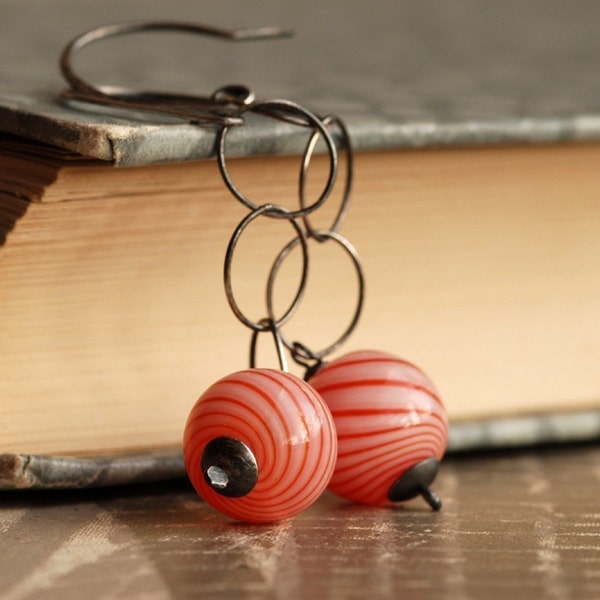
<point x="391" y="424"/>
<point x="285" y="433"/>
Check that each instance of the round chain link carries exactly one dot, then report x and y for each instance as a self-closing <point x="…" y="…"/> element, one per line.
<point x="294" y="114"/>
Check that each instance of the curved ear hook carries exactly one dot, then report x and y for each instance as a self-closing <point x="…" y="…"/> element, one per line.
<point x="218" y="109"/>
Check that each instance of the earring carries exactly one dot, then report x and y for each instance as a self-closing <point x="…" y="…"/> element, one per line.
<point x="260" y="445"/>
<point x="392" y="426"/>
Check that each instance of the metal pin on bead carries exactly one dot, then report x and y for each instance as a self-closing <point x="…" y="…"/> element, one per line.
<point x="415" y="482"/>
<point x="229" y="467"/>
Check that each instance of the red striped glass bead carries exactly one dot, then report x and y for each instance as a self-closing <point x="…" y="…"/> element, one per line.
<point x="391" y="424"/>
<point x="260" y="445"/>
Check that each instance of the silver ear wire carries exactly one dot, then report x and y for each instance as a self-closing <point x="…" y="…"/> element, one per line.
<point x="219" y="108"/>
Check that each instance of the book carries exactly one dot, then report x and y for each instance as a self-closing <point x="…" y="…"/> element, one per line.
<point x="476" y="223"/>
<point x="113" y="303"/>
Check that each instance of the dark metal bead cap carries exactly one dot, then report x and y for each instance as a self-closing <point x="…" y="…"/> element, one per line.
<point x="416" y="482"/>
<point x="229" y="467"/>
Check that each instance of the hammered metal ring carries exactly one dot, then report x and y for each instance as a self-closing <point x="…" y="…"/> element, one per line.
<point x="291" y="113"/>
<point x="323" y="235"/>
<point x="262" y="324"/>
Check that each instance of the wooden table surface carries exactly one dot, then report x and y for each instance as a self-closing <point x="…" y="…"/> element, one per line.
<point x="514" y="525"/>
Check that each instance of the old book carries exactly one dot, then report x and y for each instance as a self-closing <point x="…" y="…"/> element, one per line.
<point x="477" y="224"/>
<point x="115" y="319"/>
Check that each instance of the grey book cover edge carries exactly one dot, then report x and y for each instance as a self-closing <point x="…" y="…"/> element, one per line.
<point x="24" y="471"/>
<point x="402" y="75"/>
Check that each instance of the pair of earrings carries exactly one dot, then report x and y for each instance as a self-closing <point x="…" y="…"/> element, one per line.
<point x="261" y="445"/>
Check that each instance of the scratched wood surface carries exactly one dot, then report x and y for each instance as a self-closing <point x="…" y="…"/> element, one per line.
<point x="513" y="525"/>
